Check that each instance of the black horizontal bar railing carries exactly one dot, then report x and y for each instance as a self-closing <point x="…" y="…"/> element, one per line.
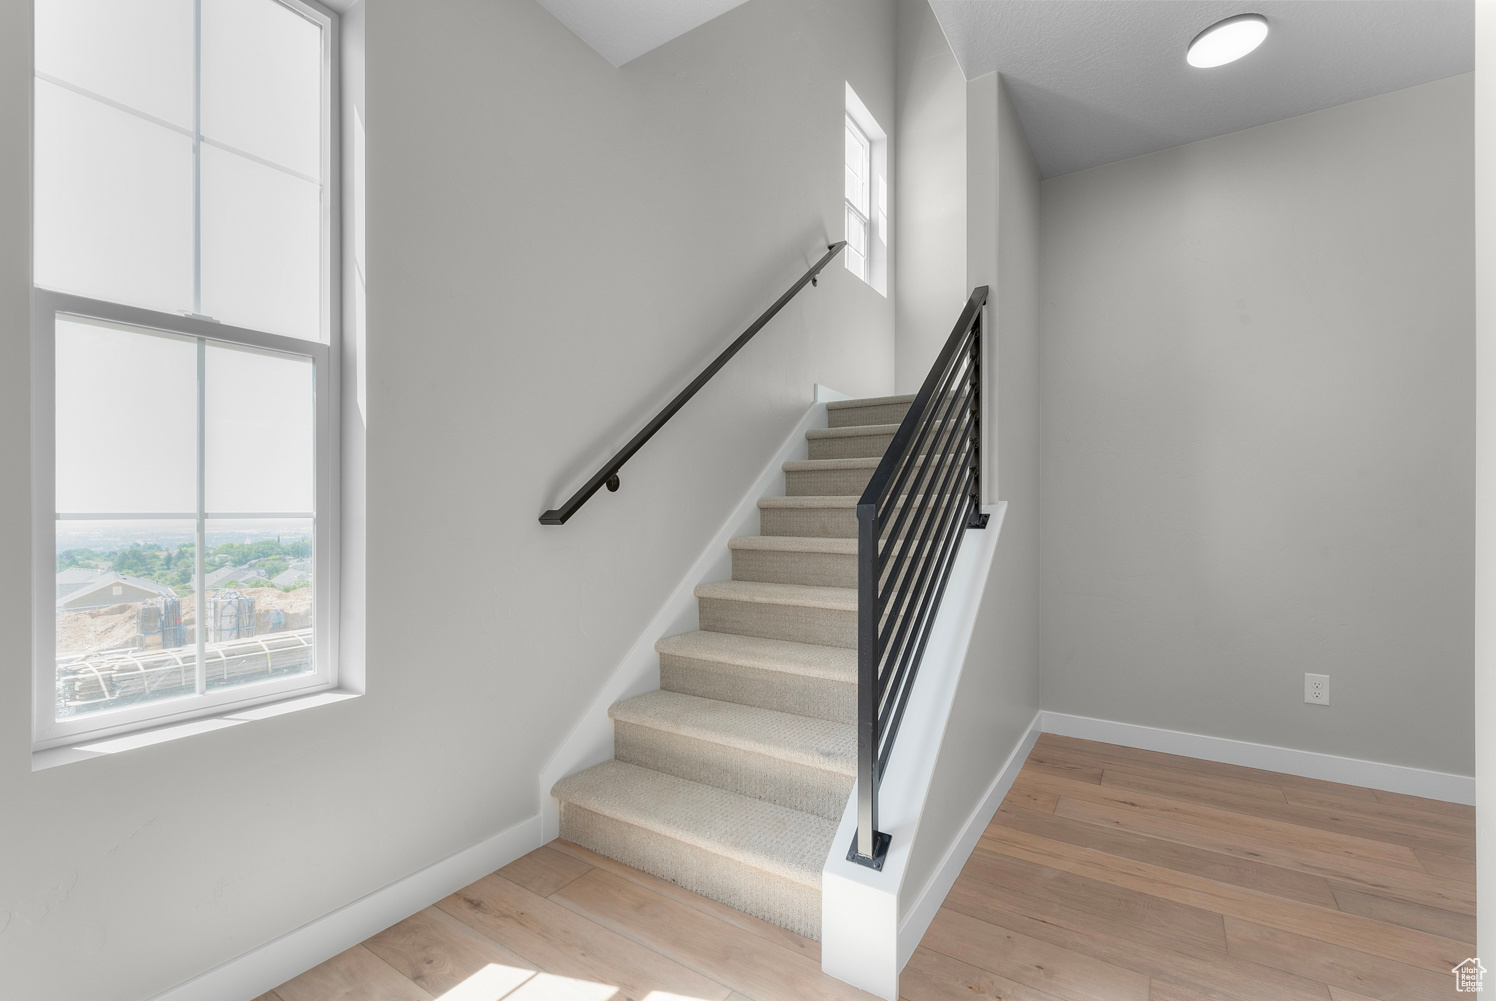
<point x="608" y="474"/>
<point x="925" y="493"/>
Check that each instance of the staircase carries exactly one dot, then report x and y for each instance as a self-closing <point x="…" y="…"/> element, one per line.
<point x="731" y="779"/>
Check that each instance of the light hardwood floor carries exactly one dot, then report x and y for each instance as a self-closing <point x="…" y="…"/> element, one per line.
<point x="1109" y="874"/>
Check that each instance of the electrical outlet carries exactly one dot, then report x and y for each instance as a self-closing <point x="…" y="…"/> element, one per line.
<point x="1317" y="689"/>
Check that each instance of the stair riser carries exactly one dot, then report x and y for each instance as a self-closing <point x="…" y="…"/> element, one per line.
<point x="791" y="784"/>
<point x="826" y="482"/>
<point x="798" y="623"/>
<point x="815" y="522"/>
<point x="833" y="482"/>
<point x="858" y="447"/>
<point x="778" y="567"/>
<point x="851" y="417"/>
<point x="755" y="891"/>
<point x="749" y="686"/>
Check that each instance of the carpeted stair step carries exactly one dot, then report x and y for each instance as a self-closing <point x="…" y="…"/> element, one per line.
<point x="759" y="857"/>
<point x="839" y="477"/>
<point x="873" y="410"/>
<point x="795" y="612"/>
<point x="850" y="442"/>
<point x="804" y="678"/>
<point x="859" y="441"/>
<point x="829" y="517"/>
<point x="796" y="761"/>
<point x="790" y="559"/>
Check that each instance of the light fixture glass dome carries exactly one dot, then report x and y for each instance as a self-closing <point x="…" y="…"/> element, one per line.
<point x="1227" y="41"/>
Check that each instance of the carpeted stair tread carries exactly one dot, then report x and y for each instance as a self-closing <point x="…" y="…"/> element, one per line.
<point x="840" y="599"/>
<point x="871" y="401"/>
<point x="803" y="740"/>
<point x="788" y="843"/>
<point x="795" y="544"/>
<point x="812" y="465"/>
<point x="830" y="663"/>
<point x="854" y="431"/>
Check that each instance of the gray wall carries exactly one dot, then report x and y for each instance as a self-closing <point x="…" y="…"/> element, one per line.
<point x="1258" y="412"/>
<point x="999" y="688"/>
<point x="553" y="244"/>
<point x="930" y="211"/>
<point x="1485" y="475"/>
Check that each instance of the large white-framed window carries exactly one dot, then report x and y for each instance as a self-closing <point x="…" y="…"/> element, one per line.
<point x="865" y="184"/>
<point x="186" y="359"/>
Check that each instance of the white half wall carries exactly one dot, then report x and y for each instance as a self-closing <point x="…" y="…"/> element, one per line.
<point x="1258" y="448"/>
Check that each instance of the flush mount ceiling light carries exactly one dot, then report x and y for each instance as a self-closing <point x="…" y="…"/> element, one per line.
<point x="1227" y="41"/>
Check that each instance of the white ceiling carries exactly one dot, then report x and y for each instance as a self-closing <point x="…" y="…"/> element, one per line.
<point x="623" y="30"/>
<point x="1095" y="81"/>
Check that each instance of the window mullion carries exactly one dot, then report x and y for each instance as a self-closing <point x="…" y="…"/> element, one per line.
<point x="200" y="579"/>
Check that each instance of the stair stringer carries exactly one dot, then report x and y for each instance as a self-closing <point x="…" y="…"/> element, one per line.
<point x="590" y="740"/>
<point x="871" y="921"/>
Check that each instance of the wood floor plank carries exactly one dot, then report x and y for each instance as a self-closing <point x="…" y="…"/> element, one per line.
<point x="745" y="922"/>
<point x="1436" y="921"/>
<point x="269" y="996"/>
<point x="1435" y="806"/>
<point x="1459" y="826"/>
<point x="1140" y="916"/>
<point x="569" y="945"/>
<point x="1284" y="834"/>
<point x="1184" y="774"/>
<point x="1336" y="965"/>
<point x="1363" y="825"/>
<point x="1042" y="965"/>
<point x="1202" y="767"/>
<point x="932" y="976"/>
<point x="1081" y="934"/>
<point x="1446" y="867"/>
<point x="354" y="975"/>
<point x="1404" y="945"/>
<point x="1224" y="868"/>
<point x="1416" y="885"/>
<point x="745" y="963"/>
<point x="1341" y="994"/>
<point x="544" y="871"/>
<point x="437" y="952"/>
<point x="1026" y="795"/>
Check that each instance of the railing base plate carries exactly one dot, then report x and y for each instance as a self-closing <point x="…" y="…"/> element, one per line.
<point x="880" y="851"/>
<point x="977" y="520"/>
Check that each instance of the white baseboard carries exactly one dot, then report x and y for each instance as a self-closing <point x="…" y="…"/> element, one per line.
<point x="1308" y="764"/>
<point x="922" y="911"/>
<point x="264" y="968"/>
<point x="590" y="740"/>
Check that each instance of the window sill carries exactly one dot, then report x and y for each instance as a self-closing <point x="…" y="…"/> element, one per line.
<point x="100" y="746"/>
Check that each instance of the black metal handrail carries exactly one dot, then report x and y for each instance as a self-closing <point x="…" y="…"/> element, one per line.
<point x="608" y="474"/>
<point x="910" y="522"/>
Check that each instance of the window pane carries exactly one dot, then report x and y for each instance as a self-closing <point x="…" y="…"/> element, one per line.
<point x="260" y="432"/>
<point x="262" y="246"/>
<point x="113" y="203"/>
<point x="856" y="233"/>
<point x="137" y="53"/>
<point x="126" y="629"/>
<point x="259" y="618"/>
<point x="126" y="423"/>
<point x="262" y="81"/>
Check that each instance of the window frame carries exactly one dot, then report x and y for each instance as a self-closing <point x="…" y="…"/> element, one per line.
<point x="876" y="215"/>
<point x="326" y="356"/>
<point x="862" y="213"/>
